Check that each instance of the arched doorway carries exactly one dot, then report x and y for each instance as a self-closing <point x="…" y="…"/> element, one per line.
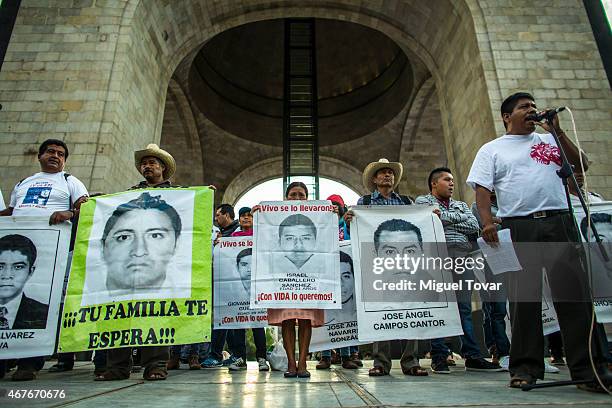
<point x="416" y="29"/>
<point x="272" y="190"/>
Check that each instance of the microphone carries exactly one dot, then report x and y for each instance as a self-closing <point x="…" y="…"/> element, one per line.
<point x="538" y="116"/>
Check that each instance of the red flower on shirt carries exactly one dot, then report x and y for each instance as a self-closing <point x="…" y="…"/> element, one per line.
<point x="545" y="153"/>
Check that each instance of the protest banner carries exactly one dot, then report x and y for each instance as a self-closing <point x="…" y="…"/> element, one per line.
<point x="600" y="271"/>
<point x="403" y="281"/>
<point x="340" y="327"/>
<point x="232" y="286"/>
<point x="33" y="258"/>
<point x="141" y="271"/>
<point x="296" y="256"/>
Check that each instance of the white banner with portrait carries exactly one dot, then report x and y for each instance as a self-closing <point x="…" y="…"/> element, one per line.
<point x="232" y="286"/>
<point x="399" y="296"/>
<point x="600" y="270"/>
<point x="296" y="256"/>
<point x="340" y="327"/>
<point x="33" y="257"/>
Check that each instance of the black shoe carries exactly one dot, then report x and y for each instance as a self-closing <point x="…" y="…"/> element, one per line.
<point x="60" y="367"/>
<point x="440" y="367"/>
<point x="480" y="364"/>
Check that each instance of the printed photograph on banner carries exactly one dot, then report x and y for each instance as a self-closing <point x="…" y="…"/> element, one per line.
<point x="403" y="282"/>
<point x="296" y="250"/>
<point x="33" y="258"/>
<point x="232" y="269"/>
<point x="340" y="327"/>
<point x="140" y="247"/>
<point x="600" y="269"/>
<point x="141" y="271"/>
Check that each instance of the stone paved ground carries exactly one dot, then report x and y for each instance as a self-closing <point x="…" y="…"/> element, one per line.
<point x="332" y="388"/>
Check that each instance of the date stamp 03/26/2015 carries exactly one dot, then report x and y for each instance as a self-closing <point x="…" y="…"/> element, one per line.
<point x="31" y="394"/>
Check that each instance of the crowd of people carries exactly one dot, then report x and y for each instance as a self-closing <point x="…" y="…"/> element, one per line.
<point x="516" y="186"/>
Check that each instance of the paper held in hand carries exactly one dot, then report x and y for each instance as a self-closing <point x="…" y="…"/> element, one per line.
<point x="503" y="257"/>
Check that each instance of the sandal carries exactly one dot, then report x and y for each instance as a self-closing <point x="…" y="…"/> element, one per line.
<point x="111" y="375"/>
<point x="518" y="382"/>
<point x="303" y="374"/>
<point x="416" y="371"/>
<point x="377" y="371"/>
<point x="155" y="374"/>
<point x="290" y="374"/>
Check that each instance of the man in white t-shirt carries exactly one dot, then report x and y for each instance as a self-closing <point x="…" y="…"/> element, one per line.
<point x="52" y="193"/>
<point x="521" y="166"/>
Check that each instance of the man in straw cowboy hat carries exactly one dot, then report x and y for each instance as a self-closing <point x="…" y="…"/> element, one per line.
<point x="382" y="178"/>
<point x="156" y="166"/>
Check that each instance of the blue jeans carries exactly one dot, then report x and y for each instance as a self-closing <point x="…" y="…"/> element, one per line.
<point x="439" y="350"/>
<point x="469" y="345"/>
<point x="185" y="350"/>
<point x="344" y="351"/>
<point x="493" y="316"/>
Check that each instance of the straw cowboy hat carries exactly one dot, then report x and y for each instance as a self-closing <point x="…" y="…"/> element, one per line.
<point x="153" y="150"/>
<point x="373" y="167"/>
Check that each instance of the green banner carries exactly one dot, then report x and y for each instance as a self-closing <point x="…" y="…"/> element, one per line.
<point x="141" y="271"/>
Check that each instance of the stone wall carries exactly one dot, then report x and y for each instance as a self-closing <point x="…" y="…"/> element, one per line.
<point x="95" y="72"/>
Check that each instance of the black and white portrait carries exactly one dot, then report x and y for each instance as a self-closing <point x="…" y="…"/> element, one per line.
<point x="295" y="254"/>
<point x="33" y="258"/>
<point x="391" y="245"/>
<point x="297" y="240"/>
<point x="243" y="267"/>
<point x="18" y="260"/>
<point x="140" y="247"/>
<point x="232" y="269"/>
<point x="340" y="327"/>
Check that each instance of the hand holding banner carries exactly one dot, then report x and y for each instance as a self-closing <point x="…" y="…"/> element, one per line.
<point x="141" y="271"/>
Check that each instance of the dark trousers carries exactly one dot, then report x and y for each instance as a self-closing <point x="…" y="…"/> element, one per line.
<point x="120" y="359"/>
<point x="217" y="341"/>
<point x="259" y="338"/>
<point x="409" y="358"/>
<point x="29" y="363"/>
<point x="99" y="359"/>
<point x="470" y="348"/>
<point x="570" y="291"/>
<point x="555" y="345"/>
<point x="236" y="342"/>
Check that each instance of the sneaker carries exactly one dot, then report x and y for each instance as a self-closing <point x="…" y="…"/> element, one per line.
<point x="212" y="362"/>
<point x="263" y="364"/>
<point x="550" y="369"/>
<point x="480" y="364"/>
<point x="229" y="361"/>
<point x="238" y="365"/>
<point x="440" y="367"/>
<point x="504" y="362"/>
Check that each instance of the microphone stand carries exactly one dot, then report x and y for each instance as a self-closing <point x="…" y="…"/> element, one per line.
<point x="567" y="172"/>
